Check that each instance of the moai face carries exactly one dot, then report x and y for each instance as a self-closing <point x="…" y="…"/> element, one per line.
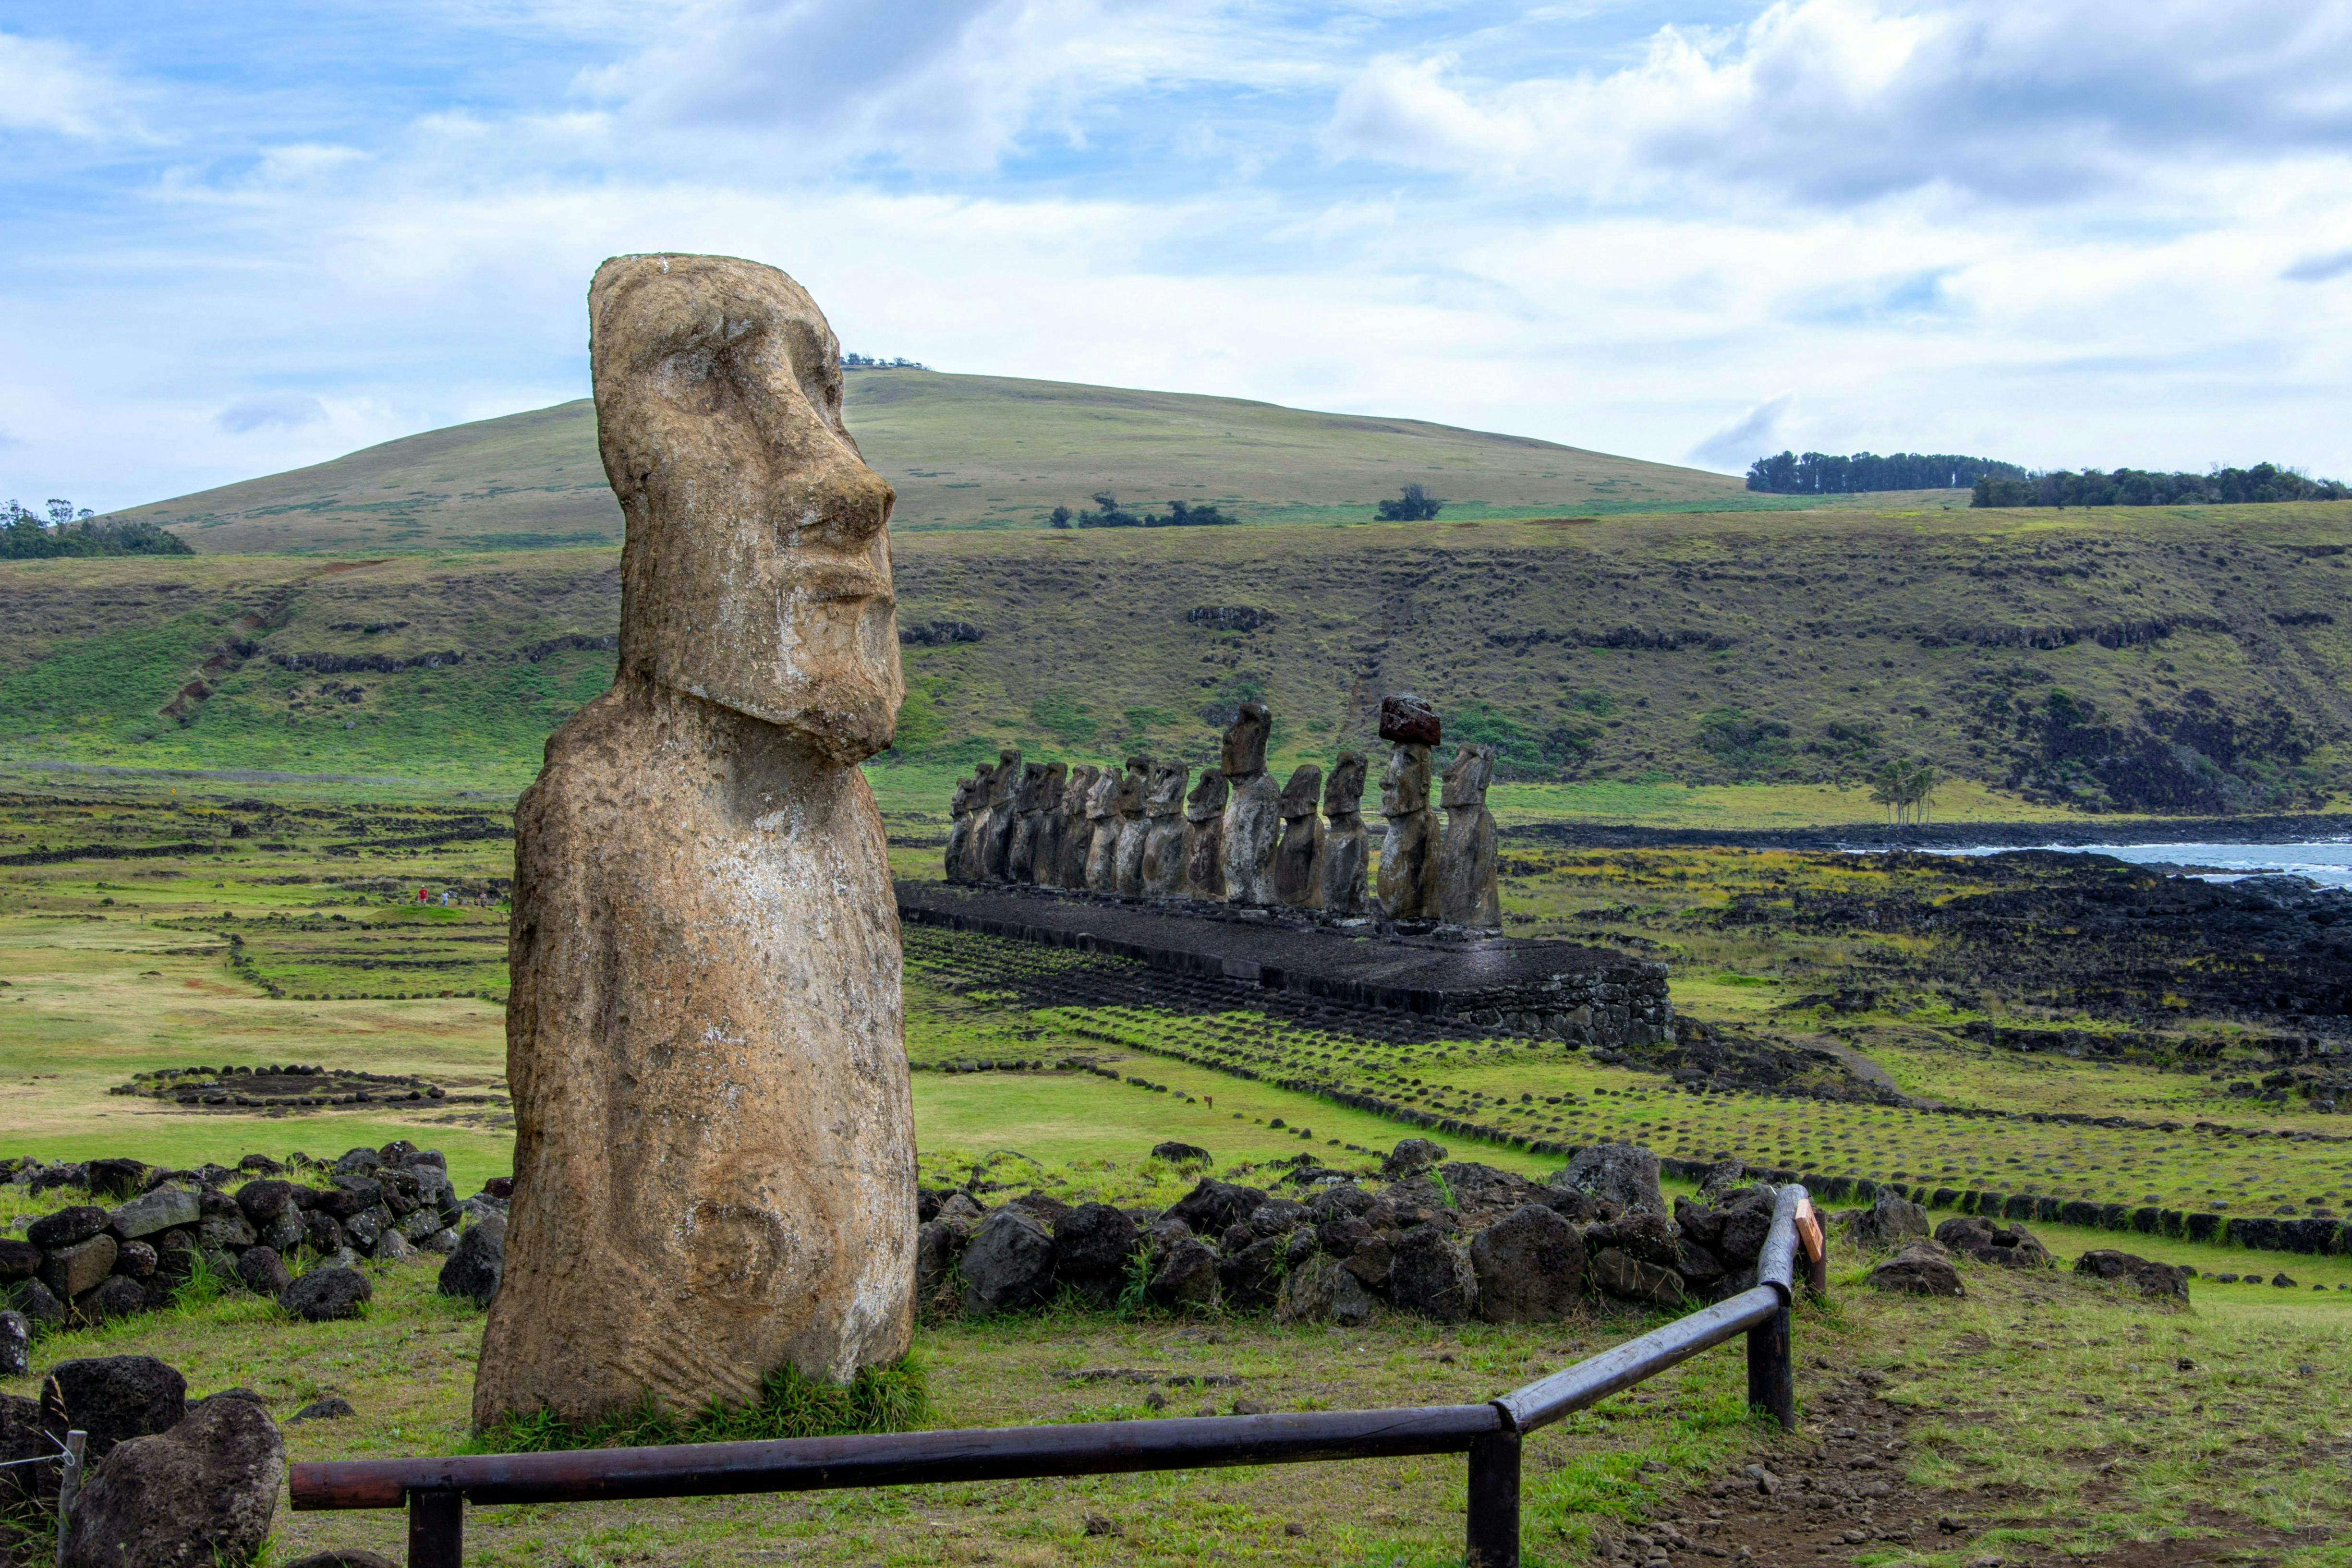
<point x="1049" y="788"/>
<point x="1080" y="793"/>
<point x="1404" y="787"/>
<point x="1343" y="792"/>
<point x="1133" y="786"/>
<point x="1165" y="798"/>
<point x="1005" y="782"/>
<point x="757" y="570"/>
<point x="1207" y="801"/>
<point x="983" y="780"/>
<point x="1246" y="742"/>
<point x="1032" y="794"/>
<point x="1466" y="780"/>
<point x="959" y="804"/>
<point x="1299" y="796"/>
<point x="1102" y="803"/>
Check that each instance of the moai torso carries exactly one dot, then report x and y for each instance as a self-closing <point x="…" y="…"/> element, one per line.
<point x="1028" y="803"/>
<point x="1253" y="812"/>
<point x="1045" y="854"/>
<point x="959" y="829"/>
<point x="973" y="865"/>
<point x="1127" y="864"/>
<point x="1102" y="810"/>
<point x="1469" y="881"/>
<point x="1296" y="871"/>
<point x="1204" y="832"/>
<point x="1347" y="849"/>
<point x="1003" y="817"/>
<point x="1163" y="842"/>
<point x="1409" y="848"/>
<point x="1078" y="828"/>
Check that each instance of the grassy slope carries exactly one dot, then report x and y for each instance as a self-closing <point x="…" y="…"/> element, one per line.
<point x="963" y="451"/>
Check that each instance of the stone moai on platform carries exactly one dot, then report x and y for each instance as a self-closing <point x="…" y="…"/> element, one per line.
<point x="1343" y="874"/>
<point x="972" y="865"/>
<point x="1045" y="854"/>
<point x="1003" y="817"/>
<point x="1297" y="857"/>
<point x="1078" y="827"/>
<point x="1469" y="872"/>
<point x="1409" y="848"/>
<point x="960" y="809"/>
<point x="1134" y="830"/>
<point x="1253" y="812"/>
<point x="1028" y="803"/>
<point x="1204" y="832"/>
<point x="714" y="1160"/>
<point x="1163" y="842"/>
<point x="1102" y="813"/>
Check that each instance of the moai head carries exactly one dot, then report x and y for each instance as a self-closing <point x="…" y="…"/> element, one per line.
<point x="1102" y="801"/>
<point x="1343" y="792"/>
<point x="1005" y="782"/>
<point x="1246" y="742"/>
<point x="1404" y="787"/>
<point x="757" y="570"/>
<point x="1080" y="792"/>
<point x="1466" y="780"/>
<point x="1133" y="785"/>
<point x="1049" y="788"/>
<point x="1165" y="798"/>
<point x="982" y="780"/>
<point x="1031" y="797"/>
<point x="960" y="803"/>
<point x="1207" y="801"/>
<point x="1299" y="796"/>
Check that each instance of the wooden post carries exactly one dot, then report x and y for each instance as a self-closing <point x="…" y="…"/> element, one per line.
<point x="1771" y="1370"/>
<point x="436" y="1529"/>
<point x="1494" y="1501"/>
<point x="68" y="1485"/>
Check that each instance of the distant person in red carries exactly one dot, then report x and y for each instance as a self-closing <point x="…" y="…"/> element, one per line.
<point x="423" y="897"/>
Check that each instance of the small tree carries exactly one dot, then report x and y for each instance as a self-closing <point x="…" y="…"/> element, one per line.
<point x="1413" y="504"/>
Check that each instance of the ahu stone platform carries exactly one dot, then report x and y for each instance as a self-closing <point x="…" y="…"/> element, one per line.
<point x="1494" y="986"/>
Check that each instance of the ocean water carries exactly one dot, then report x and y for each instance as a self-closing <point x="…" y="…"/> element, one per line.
<point x="2327" y="861"/>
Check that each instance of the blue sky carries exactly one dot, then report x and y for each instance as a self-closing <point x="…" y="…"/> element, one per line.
<point x="254" y="236"/>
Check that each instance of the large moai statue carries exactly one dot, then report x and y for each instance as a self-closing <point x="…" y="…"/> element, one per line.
<point x="1078" y="827"/>
<point x="1028" y="801"/>
<point x="1409" y="849"/>
<point x="973" y="865"/>
<point x="1003" y="817"/>
<point x="1134" y="830"/>
<point x="1204" y="833"/>
<point x="1347" y="850"/>
<point x="1046" y="852"/>
<point x="1102" y="811"/>
<point x="1253" y="814"/>
<point x="1296" y="871"/>
<point x="959" y="828"/>
<point x="1469" y="872"/>
<point x="1163" y="842"/>
<point x="714" y="1163"/>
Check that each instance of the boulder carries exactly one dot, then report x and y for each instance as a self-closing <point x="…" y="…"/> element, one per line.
<point x="263" y="1201"/>
<point x="333" y="1407"/>
<point x="68" y="1271"/>
<point x="1920" y="1269"/>
<point x="1176" y="1153"/>
<point x="1482" y="1190"/>
<point x="937" y="1246"/>
<point x="1324" y="1290"/>
<point x="40" y="1306"/>
<point x="1741" y="1237"/>
<point x="1213" y="1206"/>
<point x="1092" y="1243"/>
<point x="22" y="1438"/>
<point x="1888" y="1223"/>
<point x="225" y="1233"/>
<point x="263" y="1271"/>
<point x="2153" y="1279"/>
<point x="116" y="1296"/>
<point x="1410" y="1158"/>
<point x="1622" y="1174"/>
<point x="1617" y="1274"/>
<point x="115" y="1398"/>
<point x="15" y="1344"/>
<point x="325" y="1294"/>
<point x="151" y="1212"/>
<point x="117" y="1177"/>
<point x="18" y="1259"/>
<point x="136" y="1259"/>
<point x="1699" y="1222"/>
<point x="2010" y="1246"/>
<point x="200" y="1495"/>
<point x="1009" y="1266"/>
<point x="66" y="1227"/>
<point x="1529" y="1267"/>
<point x="1722" y="1179"/>
<point x="1251" y="1278"/>
<point x="1430" y="1275"/>
<point x="322" y="1233"/>
<point x="1186" y="1275"/>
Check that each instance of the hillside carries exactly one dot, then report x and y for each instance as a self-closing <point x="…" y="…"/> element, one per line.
<point x="963" y="452"/>
<point x="2187" y="660"/>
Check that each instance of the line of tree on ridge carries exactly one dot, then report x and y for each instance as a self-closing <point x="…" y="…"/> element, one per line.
<point x="26" y="535"/>
<point x="1110" y="514"/>
<point x="2144" y="488"/>
<point x="1822" y="473"/>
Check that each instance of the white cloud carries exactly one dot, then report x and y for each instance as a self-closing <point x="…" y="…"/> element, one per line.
<point x="271" y="411"/>
<point x="1746" y="438"/>
<point x="52" y="86"/>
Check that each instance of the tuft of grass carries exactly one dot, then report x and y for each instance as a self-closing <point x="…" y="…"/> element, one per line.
<point x="891" y="1398"/>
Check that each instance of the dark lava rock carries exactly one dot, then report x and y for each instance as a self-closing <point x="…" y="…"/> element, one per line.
<point x="938" y="1245"/>
<point x="1646" y="1237"/>
<point x="115" y="1398"/>
<point x="15" y="1344"/>
<point x="1215" y="1206"/>
<point x="1482" y="1190"/>
<point x="1700" y="1267"/>
<point x="161" y="1209"/>
<point x="1340" y="1237"/>
<point x="135" y="1260"/>
<point x="117" y="1178"/>
<point x="1920" y="1269"/>
<point x="263" y="1201"/>
<point x="18" y="1259"/>
<point x="21" y="1438"/>
<point x="2010" y="1246"/>
<point x="333" y="1407"/>
<point x="1009" y="1266"/>
<point x="1430" y="1275"/>
<point x="1722" y="1179"/>
<point x="1698" y="1222"/>
<point x="1094" y="1242"/>
<point x="1342" y="1198"/>
<point x="1529" y="1267"/>
<point x="476" y="1267"/>
<point x="1622" y="1174"/>
<point x="322" y="1233"/>
<point x="1410" y="1158"/>
<point x="67" y="1225"/>
<point x="1406" y="720"/>
<point x="323" y="1295"/>
<point x="204" y="1493"/>
<point x="1187" y="1275"/>
<point x="70" y="1270"/>
<point x="1740" y="1237"/>
<point x="1616" y="1272"/>
<point x="1251" y="1277"/>
<point x="1324" y="1290"/>
<point x="1887" y="1223"/>
<point x="40" y="1304"/>
<point x="1278" y="1217"/>
<point x="263" y="1271"/>
<point x="346" y="1557"/>
<point x="117" y="1296"/>
<point x="358" y="1162"/>
<point x="2155" y="1278"/>
<point x="1176" y="1153"/>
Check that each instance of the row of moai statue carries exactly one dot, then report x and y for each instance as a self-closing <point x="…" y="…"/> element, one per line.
<point x="1237" y="839"/>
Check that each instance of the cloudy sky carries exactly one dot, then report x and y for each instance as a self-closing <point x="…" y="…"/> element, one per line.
<point x="252" y="235"/>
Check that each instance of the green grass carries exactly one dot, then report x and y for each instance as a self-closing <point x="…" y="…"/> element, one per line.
<point x="892" y="1398"/>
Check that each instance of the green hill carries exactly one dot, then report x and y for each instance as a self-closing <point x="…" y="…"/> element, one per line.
<point x="964" y="451"/>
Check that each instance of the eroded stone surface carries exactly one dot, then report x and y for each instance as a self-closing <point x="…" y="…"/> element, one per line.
<point x="1163" y="841"/>
<point x="714" y="1159"/>
<point x="1127" y="868"/>
<point x="1204" y="837"/>
<point x="1297" y="857"/>
<point x="1102" y="815"/>
<point x="1078" y="827"/>
<point x="1028" y="806"/>
<point x="1343" y="876"/>
<point x="1409" y="849"/>
<point x="1253" y="811"/>
<point x="993" y="838"/>
<point x="1469" y="886"/>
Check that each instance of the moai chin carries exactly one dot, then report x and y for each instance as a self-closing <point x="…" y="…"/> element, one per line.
<point x="1204" y="832"/>
<point x="1409" y="848"/>
<point x="1253" y="812"/>
<point x="1134" y="828"/>
<point x="1046" y="852"/>
<point x="1102" y="811"/>
<point x="1347" y="850"/>
<point x="714" y="1142"/>
<point x="972" y="864"/>
<point x="959" y="828"/>
<point x="1469" y="872"/>
<point x="1297" y="868"/>
<point x="1163" y="842"/>
<point x="1028" y="803"/>
<point x="1078" y="828"/>
<point x="1003" y="817"/>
